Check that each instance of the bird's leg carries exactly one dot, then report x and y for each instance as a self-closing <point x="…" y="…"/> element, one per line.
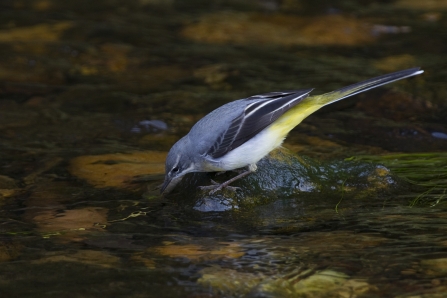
<point x="220" y="173"/>
<point x="235" y="170"/>
<point x="216" y="186"/>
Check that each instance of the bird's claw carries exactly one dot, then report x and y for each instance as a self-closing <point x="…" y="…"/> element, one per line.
<point x="216" y="187"/>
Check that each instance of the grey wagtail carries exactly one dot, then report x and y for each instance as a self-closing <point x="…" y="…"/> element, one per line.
<point x="241" y="132"/>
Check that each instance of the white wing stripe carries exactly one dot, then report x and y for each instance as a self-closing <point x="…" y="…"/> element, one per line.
<point x="269" y="101"/>
<point x="260" y="106"/>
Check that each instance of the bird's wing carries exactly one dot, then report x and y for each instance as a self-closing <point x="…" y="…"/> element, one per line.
<point x="259" y="114"/>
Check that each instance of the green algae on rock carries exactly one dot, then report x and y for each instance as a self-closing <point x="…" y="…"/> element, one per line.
<point x="426" y="171"/>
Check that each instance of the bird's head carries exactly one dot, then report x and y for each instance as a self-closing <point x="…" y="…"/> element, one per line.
<point x="178" y="164"/>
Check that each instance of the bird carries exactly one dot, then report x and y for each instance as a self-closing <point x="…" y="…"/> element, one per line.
<point x="240" y="133"/>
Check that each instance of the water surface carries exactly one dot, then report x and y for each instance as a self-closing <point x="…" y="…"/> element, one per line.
<point x="93" y="95"/>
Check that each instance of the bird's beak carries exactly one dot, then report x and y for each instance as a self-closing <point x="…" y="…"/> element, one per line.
<point x="169" y="184"/>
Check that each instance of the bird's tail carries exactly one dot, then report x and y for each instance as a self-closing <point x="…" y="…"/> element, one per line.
<point x="357" y="88"/>
<point x="307" y="106"/>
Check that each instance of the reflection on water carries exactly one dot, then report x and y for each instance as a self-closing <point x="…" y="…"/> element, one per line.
<point x="93" y="94"/>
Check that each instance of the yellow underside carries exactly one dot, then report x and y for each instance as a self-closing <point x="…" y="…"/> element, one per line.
<point x="293" y="117"/>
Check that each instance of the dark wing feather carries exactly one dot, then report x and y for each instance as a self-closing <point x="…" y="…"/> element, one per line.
<point x="225" y="140"/>
<point x="258" y="115"/>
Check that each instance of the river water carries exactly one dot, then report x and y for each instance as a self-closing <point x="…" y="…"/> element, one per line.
<point x="94" y="93"/>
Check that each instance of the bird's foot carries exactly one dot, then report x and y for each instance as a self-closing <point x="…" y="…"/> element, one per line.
<point x="216" y="187"/>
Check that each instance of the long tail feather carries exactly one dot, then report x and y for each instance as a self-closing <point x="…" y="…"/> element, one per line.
<point x="357" y="88"/>
<point x="295" y="115"/>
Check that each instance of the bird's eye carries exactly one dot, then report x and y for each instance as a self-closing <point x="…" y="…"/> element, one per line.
<point x="175" y="170"/>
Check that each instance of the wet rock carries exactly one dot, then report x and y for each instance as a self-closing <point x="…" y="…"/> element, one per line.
<point x="279" y="29"/>
<point x="117" y="170"/>
<point x="282" y="174"/>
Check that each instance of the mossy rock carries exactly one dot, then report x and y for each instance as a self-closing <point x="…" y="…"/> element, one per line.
<point x="282" y="174"/>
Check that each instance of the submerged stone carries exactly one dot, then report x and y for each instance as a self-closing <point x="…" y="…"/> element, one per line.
<point x="87" y="257"/>
<point x="302" y="283"/>
<point x="434" y="267"/>
<point x="197" y="252"/>
<point x="39" y="33"/>
<point x="7" y="182"/>
<point x="9" y="250"/>
<point x="229" y="280"/>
